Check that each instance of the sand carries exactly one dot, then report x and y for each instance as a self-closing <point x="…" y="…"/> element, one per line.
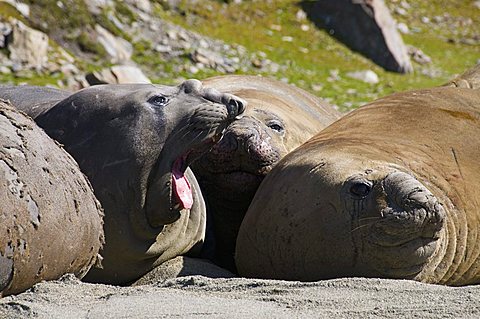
<point x="202" y="297"/>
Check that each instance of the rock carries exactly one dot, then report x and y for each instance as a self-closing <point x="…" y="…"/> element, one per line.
<point x="365" y="26"/>
<point x="117" y="48"/>
<point x="28" y="47"/>
<point x="5" y="70"/>
<point x="213" y="60"/>
<point x="334" y="76"/>
<point x="305" y="27"/>
<point x="96" y="6"/>
<point x="400" y="11"/>
<point x="403" y="28"/>
<point x="117" y="74"/>
<point x="367" y="76"/>
<point x="69" y="69"/>
<point x="300" y="15"/>
<point x="477" y="4"/>
<point x="5" y="31"/>
<point x="23" y="8"/>
<point x="418" y="55"/>
<point x="405" y="5"/>
<point x="163" y="48"/>
<point x="143" y="5"/>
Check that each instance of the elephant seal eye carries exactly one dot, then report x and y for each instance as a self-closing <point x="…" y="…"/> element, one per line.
<point x="158" y="100"/>
<point x="360" y="189"/>
<point x="276" y="126"/>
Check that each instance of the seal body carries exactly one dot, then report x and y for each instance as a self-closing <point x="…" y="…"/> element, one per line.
<point x="390" y="190"/>
<point x="279" y="118"/>
<point x="135" y="142"/>
<point x="50" y="220"/>
<point x="32" y="99"/>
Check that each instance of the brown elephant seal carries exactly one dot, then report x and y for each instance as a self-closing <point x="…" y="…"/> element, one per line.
<point x="279" y="118"/>
<point x="469" y="80"/>
<point x="390" y="190"/>
<point x="134" y="142"/>
<point x="44" y="199"/>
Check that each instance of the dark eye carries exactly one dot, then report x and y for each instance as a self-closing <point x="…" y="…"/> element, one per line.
<point x="158" y="100"/>
<point x="360" y="189"/>
<point x="276" y="126"/>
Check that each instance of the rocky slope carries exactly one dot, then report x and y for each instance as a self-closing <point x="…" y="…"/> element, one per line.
<point x="60" y="42"/>
<point x="37" y="48"/>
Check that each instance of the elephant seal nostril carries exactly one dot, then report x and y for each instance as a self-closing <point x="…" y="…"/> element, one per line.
<point x="192" y="86"/>
<point x="240" y="108"/>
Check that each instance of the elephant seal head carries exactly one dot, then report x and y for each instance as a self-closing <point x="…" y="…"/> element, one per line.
<point x="279" y="118"/>
<point x="135" y="142"/>
<point x="339" y="215"/>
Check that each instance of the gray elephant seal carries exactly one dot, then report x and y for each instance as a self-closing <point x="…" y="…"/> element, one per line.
<point x="31" y="99"/>
<point x="279" y="118"/>
<point x="390" y="190"/>
<point x="134" y="143"/>
<point x="44" y="199"/>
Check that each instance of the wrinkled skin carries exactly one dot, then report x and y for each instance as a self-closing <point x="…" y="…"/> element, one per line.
<point x="44" y="199"/>
<point x="390" y="190"/>
<point x="130" y="140"/>
<point x="279" y="118"/>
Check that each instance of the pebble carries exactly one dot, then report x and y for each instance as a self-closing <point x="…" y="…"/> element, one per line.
<point x="367" y="76"/>
<point x="403" y="28"/>
<point x="5" y="70"/>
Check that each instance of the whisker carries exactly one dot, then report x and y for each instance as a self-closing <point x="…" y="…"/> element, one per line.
<point x="198" y="136"/>
<point x="361" y="226"/>
<point x="175" y="134"/>
<point x="368" y="218"/>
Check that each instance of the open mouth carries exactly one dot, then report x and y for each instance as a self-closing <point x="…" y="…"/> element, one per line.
<point x="181" y="193"/>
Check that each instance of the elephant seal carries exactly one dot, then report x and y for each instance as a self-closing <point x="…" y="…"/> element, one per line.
<point x="279" y="118"/>
<point x="44" y="199"/>
<point x="390" y="190"/>
<point x="134" y="142"/>
<point x="32" y="99"/>
<point x="470" y="79"/>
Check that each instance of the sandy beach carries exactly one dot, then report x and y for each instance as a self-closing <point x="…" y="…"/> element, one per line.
<point x="202" y="297"/>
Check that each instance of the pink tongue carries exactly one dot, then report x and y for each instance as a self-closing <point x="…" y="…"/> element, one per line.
<point x="182" y="188"/>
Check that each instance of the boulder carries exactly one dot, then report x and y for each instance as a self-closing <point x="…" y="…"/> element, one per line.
<point x="143" y="5"/>
<point x="117" y="74"/>
<point x="119" y="50"/>
<point x="365" y="26"/>
<point x="28" y="46"/>
<point x="367" y="76"/>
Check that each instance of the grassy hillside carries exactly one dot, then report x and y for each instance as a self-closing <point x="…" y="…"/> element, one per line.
<point x="447" y="31"/>
<point x="313" y="55"/>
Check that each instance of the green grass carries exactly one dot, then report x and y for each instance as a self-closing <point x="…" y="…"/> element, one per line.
<point x="260" y="26"/>
<point x="7" y="10"/>
<point x="62" y="19"/>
